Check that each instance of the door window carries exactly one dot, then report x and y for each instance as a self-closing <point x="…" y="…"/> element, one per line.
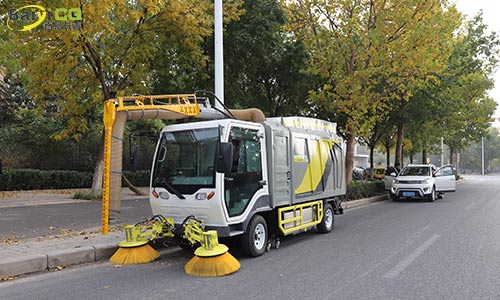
<point x="246" y="172"/>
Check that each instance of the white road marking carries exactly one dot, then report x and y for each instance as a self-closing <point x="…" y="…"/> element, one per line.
<point x="402" y="265"/>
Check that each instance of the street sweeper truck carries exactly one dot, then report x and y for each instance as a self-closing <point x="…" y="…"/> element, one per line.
<point x="242" y="177"/>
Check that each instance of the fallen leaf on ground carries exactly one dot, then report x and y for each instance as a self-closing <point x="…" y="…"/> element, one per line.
<point x="8" y="278"/>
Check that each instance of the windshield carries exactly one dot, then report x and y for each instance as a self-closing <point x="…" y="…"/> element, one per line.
<point x="415" y="171"/>
<point x="185" y="160"/>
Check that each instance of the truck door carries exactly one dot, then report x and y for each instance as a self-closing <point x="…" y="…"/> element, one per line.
<point x="281" y="194"/>
<point x="445" y="179"/>
<point x="247" y="175"/>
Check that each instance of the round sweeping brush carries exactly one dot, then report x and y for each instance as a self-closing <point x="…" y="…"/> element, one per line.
<point x="134" y="255"/>
<point x="133" y="251"/>
<point x="214" y="266"/>
<point x="211" y="258"/>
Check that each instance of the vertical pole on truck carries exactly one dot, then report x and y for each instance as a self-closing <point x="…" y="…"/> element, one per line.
<point x="219" y="60"/>
<point x="109" y="120"/>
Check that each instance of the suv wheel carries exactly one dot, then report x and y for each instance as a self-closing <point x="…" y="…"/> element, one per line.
<point x="432" y="195"/>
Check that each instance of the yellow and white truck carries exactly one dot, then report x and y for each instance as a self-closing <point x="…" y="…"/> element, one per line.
<point x="254" y="180"/>
<point x="242" y="176"/>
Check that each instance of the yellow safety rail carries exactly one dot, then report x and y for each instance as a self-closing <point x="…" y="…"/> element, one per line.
<point x="185" y="104"/>
<point x="298" y="216"/>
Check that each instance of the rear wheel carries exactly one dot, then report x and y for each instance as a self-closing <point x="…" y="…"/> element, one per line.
<point x="254" y="240"/>
<point x="432" y="196"/>
<point x="326" y="224"/>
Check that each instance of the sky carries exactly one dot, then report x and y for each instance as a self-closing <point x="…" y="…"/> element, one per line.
<point x="492" y="20"/>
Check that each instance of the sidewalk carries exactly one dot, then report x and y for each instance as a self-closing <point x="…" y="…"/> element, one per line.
<point x="55" y="253"/>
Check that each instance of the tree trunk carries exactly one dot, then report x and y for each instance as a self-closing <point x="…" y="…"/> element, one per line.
<point x="411" y="157"/>
<point x="387" y="155"/>
<point x="349" y="159"/>
<point x="425" y="156"/>
<point x="371" y="157"/>
<point x="451" y="155"/>
<point x="99" y="169"/>
<point x="398" y="162"/>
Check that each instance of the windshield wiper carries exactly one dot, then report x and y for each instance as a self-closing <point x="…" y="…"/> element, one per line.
<point x="173" y="190"/>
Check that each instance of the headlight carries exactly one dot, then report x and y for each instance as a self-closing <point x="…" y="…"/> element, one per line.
<point x="426" y="181"/>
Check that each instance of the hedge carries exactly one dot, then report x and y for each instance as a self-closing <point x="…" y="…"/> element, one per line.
<point x="364" y="189"/>
<point x="138" y="178"/>
<point x="32" y="179"/>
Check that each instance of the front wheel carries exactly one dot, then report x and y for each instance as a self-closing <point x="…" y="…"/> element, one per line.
<point x="432" y="195"/>
<point x="326" y="224"/>
<point x="254" y="240"/>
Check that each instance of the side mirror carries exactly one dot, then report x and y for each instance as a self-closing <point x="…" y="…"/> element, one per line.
<point x="224" y="158"/>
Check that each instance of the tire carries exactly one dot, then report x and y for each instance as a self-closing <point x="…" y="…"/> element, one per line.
<point x="432" y="196"/>
<point x="326" y="224"/>
<point x="394" y="198"/>
<point x="254" y="240"/>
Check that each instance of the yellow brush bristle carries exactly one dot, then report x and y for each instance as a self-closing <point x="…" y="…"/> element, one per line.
<point x="135" y="255"/>
<point x="220" y="265"/>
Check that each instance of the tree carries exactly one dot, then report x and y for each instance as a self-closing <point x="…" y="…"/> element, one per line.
<point x="111" y="54"/>
<point x="458" y="108"/>
<point x="263" y="64"/>
<point x="357" y="47"/>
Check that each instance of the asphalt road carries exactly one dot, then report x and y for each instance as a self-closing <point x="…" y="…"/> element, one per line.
<point x="46" y="220"/>
<point x="448" y="249"/>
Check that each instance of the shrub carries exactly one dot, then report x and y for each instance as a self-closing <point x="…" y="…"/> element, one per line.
<point x="87" y="196"/>
<point x="364" y="189"/>
<point x="30" y="179"/>
<point x="137" y="178"/>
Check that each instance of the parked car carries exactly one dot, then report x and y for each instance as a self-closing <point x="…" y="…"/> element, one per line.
<point x="423" y="181"/>
<point x="358" y="174"/>
<point x="379" y="173"/>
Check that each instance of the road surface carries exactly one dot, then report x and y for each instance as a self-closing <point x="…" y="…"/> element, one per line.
<point x="449" y="249"/>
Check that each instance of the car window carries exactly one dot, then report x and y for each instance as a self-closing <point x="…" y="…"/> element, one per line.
<point x="415" y="171"/>
<point x="446" y="171"/>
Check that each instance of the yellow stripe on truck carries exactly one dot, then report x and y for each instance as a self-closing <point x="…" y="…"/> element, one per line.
<point x="319" y="153"/>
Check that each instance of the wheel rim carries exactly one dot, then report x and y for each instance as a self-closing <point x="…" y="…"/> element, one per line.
<point x="328" y="218"/>
<point x="259" y="236"/>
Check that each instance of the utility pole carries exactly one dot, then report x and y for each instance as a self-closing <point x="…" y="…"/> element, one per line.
<point x="482" y="156"/>
<point x="219" y="60"/>
<point x="442" y="151"/>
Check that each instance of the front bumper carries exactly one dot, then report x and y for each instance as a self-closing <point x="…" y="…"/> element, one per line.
<point x="406" y="191"/>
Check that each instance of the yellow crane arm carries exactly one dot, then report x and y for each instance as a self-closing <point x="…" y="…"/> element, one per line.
<point x="116" y="113"/>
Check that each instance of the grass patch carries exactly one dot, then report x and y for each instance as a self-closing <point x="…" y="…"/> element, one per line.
<point x="87" y="196"/>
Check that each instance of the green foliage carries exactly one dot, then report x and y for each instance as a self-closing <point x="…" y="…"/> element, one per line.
<point x="113" y="53"/>
<point x="371" y="55"/>
<point x="364" y="189"/>
<point x="87" y="196"/>
<point x="137" y="178"/>
<point x="27" y="142"/>
<point x="29" y="179"/>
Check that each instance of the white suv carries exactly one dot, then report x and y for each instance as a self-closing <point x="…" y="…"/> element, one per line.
<point x="423" y="181"/>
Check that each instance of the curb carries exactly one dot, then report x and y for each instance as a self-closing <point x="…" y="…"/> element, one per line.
<point x="48" y="260"/>
<point x="30" y="263"/>
<point x="364" y="202"/>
